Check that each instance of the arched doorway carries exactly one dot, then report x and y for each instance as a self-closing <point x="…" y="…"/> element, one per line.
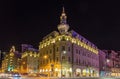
<point x="84" y="73"/>
<point x="78" y="72"/>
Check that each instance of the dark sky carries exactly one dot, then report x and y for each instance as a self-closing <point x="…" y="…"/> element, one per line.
<point x="27" y="21"/>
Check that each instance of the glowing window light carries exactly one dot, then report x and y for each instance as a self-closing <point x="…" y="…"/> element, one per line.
<point x="41" y="46"/>
<point x="35" y="55"/>
<point x="53" y="41"/>
<point x="89" y="47"/>
<point x="67" y="39"/>
<point x="97" y="51"/>
<point x="70" y="69"/>
<point x="59" y="38"/>
<point x="78" y="70"/>
<point x="10" y="68"/>
<point x="56" y="69"/>
<point x="72" y="40"/>
<point x="24" y="62"/>
<point x="30" y="54"/>
<point x="108" y="60"/>
<point x="64" y="52"/>
<point x="45" y="44"/>
<point x="40" y="70"/>
<point x="87" y="70"/>
<point x="86" y="46"/>
<point x="11" y="54"/>
<point x="78" y="43"/>
<point x="48" y="43"/>
<point x="45" y="56"/>
<point x="75" y="41"/>
<point x="81" y="44"/>
<point x="84" y="71"/>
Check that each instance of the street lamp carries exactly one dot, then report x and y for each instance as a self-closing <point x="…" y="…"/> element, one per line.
<point x="45" y="57"/>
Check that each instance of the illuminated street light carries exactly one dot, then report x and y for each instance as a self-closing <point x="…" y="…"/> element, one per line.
<point x="45" y="56"/>
<point x="108" y="60"/>
<point x="64" y="52"/>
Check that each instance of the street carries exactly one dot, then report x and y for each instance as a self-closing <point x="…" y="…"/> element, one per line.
<point x="58" y="78"/>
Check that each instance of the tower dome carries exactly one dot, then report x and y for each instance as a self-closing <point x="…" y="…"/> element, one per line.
<point x="63" y="27"/>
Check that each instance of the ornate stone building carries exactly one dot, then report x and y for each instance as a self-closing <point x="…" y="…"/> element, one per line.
<point x="11" y="61"/>
<point x="66" y="53"/>
<point x="29" y="59"/>
<point x="112" y="63"/>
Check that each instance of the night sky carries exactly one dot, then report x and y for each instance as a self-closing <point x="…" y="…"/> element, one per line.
<point x="28" y="21"/>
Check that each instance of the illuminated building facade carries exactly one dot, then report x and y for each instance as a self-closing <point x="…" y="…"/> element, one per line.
<point x="11" y="61"/>
<point x="0" y="60"/>
<point x="102" y="63"/>
<point x="66" y="53"/>
<point x="112" y="63"/>
<point x="29" y="59"/>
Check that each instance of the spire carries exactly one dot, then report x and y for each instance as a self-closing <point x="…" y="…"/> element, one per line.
<point x="63" y="27"/>
<point x="12" y="49"/>
<point x="63" y="17"/>
<point x="63" y="11"/>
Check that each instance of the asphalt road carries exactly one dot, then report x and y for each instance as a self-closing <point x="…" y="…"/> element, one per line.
<point x="57" y="78"/>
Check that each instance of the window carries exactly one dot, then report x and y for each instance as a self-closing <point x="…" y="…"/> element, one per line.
<point x="63" y="38"/>
<point x="69" y="49"/>
<point x="50" y="51"/>
<point x="56" y="59"/>
<point x="69" y="59"/>
<point x="41" y="54"/>
<point x="79" y="61"/>
<point x="57" y="49"/>
<point x="76" y="50"/>
<point x="43" y="62"/>
<point x="50" y="60"/>
<point x="47" y="52"/>
<point x="63" y="48"/>
<point x="63" y="57"/>
<point x="46" y="60"/>
<point x="88" y="55"/>
<point x="76" y="61"/>
<point x="79" y="52"/>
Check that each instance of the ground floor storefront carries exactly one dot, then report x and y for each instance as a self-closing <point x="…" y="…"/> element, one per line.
<point x="70" y="71"/>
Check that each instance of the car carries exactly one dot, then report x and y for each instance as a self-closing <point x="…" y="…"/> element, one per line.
<point x="16" y="75"/>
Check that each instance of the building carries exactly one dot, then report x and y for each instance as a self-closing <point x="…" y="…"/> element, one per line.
<point x="29" y="59"/>
<point x="102" y="63"/>
<point x="0" y="60"/>
<point x="112" y="63"/>
<point x="66" y="53"/>
<point x="11" y="61"/>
